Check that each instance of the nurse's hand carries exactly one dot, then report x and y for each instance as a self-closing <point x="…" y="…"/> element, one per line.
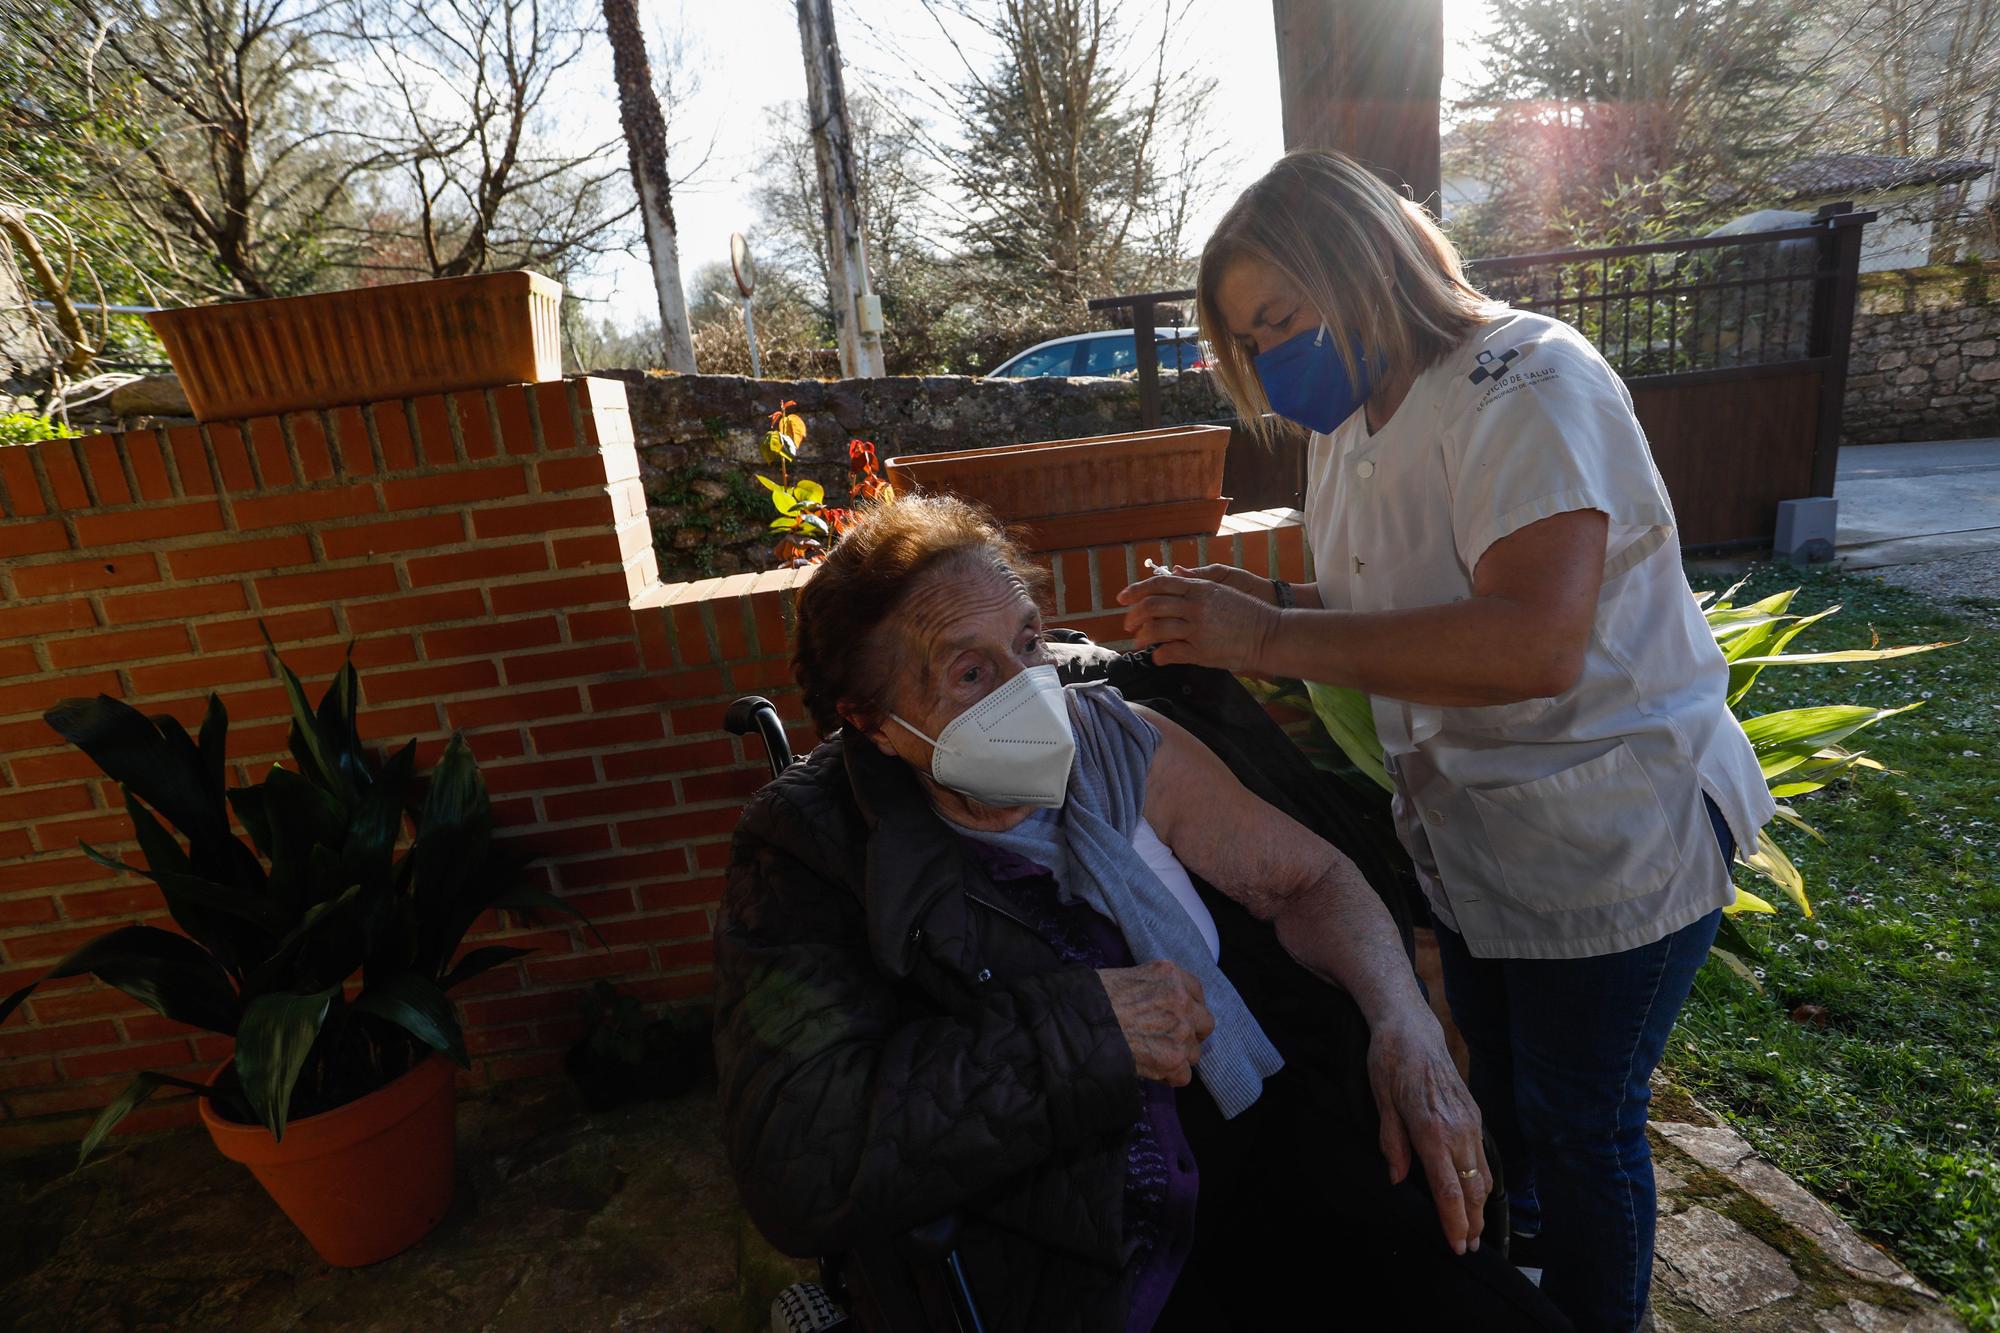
<point x="1231" y="576"/>
<point x="1200" y="616"/>
<point x="1427" y="1113"/>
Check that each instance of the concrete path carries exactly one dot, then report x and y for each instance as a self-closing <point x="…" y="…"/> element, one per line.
<point x="1906" y="504"/>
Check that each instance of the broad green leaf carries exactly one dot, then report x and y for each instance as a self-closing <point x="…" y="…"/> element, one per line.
<point x="367" y="856"/>
<point x="1723" y="625"/>
<point x="784" y="501"/>
<point x="168" y="973"/>
<point x="809" y="492"/>
<point x="528" y="896"/>
<point x="481" y="960"/>
<point x="453" y="833"/>
<point x="158" y="846"/>
<point x="193" y="901"/>
<point x="1730" y="939"/>
<point x="1787" y="739"/>
<point x="414" y="1003"/>
<point x="132" y="751"/>
<point x="248" y="803"/>
<point x="1762" y="642"/>
<point x="214" y="744"/>
<point x="769" y="485"/>
<point x="790" y="523"/>
<point x="316" y="760"/>
<point x="1736" y="965"/>
<point x="1747" y="901"/>
<point x="1350" y="720"/>
<point x="1770" y="861"/>
<point x="301" y="815"/>
<point x="338" y="728"/>
<point x="272" y="1044"/>
<point x="1850" y="655"/>
<point x="137" y="1093"/>
<point x="271" y="972"/>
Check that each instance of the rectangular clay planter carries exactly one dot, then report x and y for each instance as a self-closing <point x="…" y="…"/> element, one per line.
<point x="1104" y="488"/>
<point x="254" y="358"/>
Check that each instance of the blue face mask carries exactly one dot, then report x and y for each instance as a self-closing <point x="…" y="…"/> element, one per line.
<point x="1306" y="380"/>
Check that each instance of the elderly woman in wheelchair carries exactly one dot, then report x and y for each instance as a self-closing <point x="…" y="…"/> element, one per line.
<point x="1033" y="957"/>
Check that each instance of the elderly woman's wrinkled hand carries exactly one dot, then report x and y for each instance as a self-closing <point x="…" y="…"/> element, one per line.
<point x="1427" y="1111"/>
<point x="1199" y="616"/>
<point x="1164" y="1016"/>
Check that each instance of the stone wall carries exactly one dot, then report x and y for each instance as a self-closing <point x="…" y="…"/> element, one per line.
<point x="701" y="437"/>
<point x="1926" y="359"/>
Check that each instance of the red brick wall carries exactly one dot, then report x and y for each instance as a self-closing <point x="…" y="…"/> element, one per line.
<point x="489" y="554"/>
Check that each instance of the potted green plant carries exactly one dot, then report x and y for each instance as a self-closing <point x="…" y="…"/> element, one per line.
<point x="625" y="1057"/>
<point x="325" y="947"/>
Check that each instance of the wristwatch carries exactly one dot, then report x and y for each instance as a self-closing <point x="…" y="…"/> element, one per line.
<point x="1282" y="591"/>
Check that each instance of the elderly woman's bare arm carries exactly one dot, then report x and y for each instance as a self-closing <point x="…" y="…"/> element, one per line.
<point x="1325" y="913"/>
<point x="1328" y="918"/>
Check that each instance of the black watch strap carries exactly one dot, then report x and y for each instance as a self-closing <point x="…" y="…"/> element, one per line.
<point x="1283" y="592"/>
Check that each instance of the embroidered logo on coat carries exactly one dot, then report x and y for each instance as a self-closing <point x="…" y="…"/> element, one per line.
<point x="1492" y="367"/>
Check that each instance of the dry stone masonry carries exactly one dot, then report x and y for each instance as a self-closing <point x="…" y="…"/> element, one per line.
<point x="701" y="440"/>
<point x="1926" y="360"/>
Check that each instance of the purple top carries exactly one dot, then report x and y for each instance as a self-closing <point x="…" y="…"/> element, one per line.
<point x="1161" y="1180"/>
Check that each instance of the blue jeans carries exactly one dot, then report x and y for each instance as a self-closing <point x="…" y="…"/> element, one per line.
<point x="1562" y="1053"/>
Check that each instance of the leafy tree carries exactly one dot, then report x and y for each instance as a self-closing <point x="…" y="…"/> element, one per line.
<point x="1589" y="101"/>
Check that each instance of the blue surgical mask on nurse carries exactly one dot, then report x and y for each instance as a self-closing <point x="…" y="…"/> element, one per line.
<point x="1305" y="379"/>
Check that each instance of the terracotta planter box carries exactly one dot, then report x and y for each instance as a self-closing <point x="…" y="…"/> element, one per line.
<point x="254" y="358"/>
<point x="363" y="1181"/>
<point x="1105" y="488"/>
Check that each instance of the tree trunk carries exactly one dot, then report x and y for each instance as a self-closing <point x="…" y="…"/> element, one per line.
<point x="847" y="256"/>
<point x="1363" y="77"/>
<point x="25" y="358"/>
<point x="27" y="347"/>
<point x="646" y="138"/>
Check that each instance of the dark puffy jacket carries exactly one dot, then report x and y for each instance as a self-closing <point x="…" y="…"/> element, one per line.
<point x="893" y="1046"/>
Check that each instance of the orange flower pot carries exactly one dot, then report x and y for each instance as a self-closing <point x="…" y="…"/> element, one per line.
<point x="363" y="1181"/>
<point x="253" y="358"/>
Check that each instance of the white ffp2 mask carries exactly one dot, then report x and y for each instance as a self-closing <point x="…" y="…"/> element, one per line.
<point x="1014" y="747"/>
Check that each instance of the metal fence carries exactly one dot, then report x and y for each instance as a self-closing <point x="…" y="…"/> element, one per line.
<point x="1678" y="307"/>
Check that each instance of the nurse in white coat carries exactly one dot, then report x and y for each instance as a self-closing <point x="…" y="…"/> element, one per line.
<point x="1497" y="567"/>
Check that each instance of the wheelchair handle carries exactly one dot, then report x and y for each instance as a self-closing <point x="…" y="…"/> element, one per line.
<point x="753" y="712"/>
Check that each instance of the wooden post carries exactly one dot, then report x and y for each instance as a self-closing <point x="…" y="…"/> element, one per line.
<point x="1363" y="77"/>
<point x="1834" y="296"/>
<point x="857" y="311"/>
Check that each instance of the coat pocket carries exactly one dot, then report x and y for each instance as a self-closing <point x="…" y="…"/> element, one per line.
<point x="1588" y="836"/>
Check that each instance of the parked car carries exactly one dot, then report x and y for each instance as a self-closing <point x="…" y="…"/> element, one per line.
<point x="1108" y="352"/>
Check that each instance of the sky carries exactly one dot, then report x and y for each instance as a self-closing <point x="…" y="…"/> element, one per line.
<point x="745" y="55"/>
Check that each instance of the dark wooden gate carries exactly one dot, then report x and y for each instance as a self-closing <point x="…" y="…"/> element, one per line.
<point x="1734" y="348"/>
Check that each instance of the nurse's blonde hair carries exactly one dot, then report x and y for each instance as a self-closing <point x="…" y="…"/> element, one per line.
<point x="1373" y="264"/>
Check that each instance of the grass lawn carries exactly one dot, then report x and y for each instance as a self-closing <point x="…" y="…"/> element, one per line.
<point x="1891" y="1110"/>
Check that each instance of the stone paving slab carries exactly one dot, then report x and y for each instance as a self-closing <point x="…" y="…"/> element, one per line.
<point x="1743" y="1246"/>
<point x="629" y="1221"/>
